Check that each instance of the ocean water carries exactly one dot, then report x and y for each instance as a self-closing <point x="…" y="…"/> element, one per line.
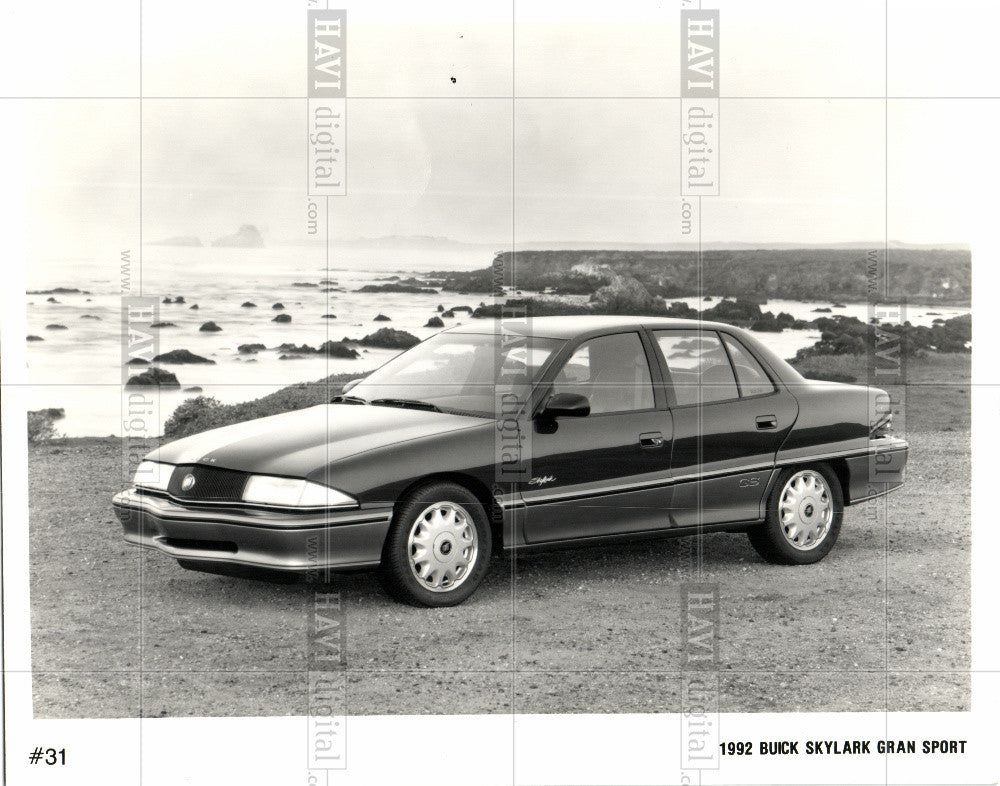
<point x="80" y="369"/>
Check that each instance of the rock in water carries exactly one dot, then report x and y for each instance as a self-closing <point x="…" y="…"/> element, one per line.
<point x="737" y="312"/>
<point x="408" y="289"/>
<point x="248" y="236"/>
<point x="626" y="295"/>
<point x="390" y="338"/>
<point x="337" y="349"/>
<point x="210" y="327"/>
<point x="182" y="356"/>
<point x="154" y="376"/>
<point x="285" y="318"/>
<point x="58" y="291"/>
<point x="434" y="322"/>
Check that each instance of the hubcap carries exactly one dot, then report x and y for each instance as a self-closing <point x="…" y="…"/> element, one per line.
<point x="442" y="546"/>
<point x="806" y="510"/>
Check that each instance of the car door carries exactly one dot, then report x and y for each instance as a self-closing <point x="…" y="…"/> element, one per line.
<point x="605" y="473"/>
<point x="730" y="417"/>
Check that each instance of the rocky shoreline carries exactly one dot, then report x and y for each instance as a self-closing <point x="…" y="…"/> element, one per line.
<point x="549" y="283"/>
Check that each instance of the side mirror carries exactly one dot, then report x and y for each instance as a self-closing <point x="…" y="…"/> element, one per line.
<point x="566" y="405"/>
<point x="348" y="385"/>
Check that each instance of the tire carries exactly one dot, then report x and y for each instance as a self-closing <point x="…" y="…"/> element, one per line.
<point x="438" y="548"/>
<point x="790" y="534"/>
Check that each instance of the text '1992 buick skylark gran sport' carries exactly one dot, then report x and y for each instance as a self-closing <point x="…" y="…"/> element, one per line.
<point x="550" y="431"/>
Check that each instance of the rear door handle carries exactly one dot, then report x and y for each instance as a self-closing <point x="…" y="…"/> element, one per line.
<point x="651" y="440"/>
<point x="765" y="422"/>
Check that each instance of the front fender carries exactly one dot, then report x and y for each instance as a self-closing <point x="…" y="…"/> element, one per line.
<point x="380" y="476"/>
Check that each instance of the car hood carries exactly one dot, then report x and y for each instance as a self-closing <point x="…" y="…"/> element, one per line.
<point x="306" y="441"/>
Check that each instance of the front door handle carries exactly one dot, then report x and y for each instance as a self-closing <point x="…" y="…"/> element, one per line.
<point x="652" y="440"/>
<point x="765" y="422"/>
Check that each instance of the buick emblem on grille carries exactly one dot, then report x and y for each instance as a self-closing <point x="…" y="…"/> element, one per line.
<point x="188" y="483"/>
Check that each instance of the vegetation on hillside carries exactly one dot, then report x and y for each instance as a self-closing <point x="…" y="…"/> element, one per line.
<point x="205" y="412"/>
<point x="941" y="275"/>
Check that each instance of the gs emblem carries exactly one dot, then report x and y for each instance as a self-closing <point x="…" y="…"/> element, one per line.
<point x="188" y="483"/>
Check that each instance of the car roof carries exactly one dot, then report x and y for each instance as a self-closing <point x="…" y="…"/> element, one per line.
<point x="590" y="325"/>
<point x="573" y="326"/>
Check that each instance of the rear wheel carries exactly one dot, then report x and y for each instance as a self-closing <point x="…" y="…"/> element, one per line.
<point x="438" y="548"/>
<point x="804" y="514"/>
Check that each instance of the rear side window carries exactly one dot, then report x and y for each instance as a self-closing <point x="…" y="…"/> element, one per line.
<point x="698" y="365"/>
<point x="752" y="378"/>
<point x="611" y="371"/>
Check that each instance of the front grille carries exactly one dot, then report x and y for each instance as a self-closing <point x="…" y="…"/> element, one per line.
<point x="210" y="483"/>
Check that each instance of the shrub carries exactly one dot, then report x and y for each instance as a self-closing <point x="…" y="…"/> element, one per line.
<point x="191" y="414"/>
<point x="205" y="412"/>
<point x="41" y="425"/>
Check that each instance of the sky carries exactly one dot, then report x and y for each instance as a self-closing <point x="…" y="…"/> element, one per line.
<point x="588" y="151"/>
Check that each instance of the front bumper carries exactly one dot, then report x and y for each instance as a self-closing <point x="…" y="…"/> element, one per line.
<point x="254" y="538"/>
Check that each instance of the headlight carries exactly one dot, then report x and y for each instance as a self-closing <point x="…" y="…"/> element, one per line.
<point x="153" y="475"/>
<point x="881" y="427"/>
<point x="292" y="492"/>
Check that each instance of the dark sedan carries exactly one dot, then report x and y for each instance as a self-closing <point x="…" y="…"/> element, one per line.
<point x="524" y="434"/>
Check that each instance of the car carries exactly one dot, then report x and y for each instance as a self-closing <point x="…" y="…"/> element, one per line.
<point x="521" y="435"/>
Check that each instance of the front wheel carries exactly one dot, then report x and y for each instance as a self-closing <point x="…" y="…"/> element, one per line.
<point x="438" y="548"/>
<point x="804" y="514"/>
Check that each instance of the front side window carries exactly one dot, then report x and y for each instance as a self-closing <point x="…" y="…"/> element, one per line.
<point x="699" y="366"/>
<point x="611" y="371"/>
<point x="749" y="373"/>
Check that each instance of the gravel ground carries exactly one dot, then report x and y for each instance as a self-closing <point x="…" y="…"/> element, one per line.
<point x="882" y="623"/>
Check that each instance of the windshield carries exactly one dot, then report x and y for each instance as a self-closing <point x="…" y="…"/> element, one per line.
<point x="457" y="372"/>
